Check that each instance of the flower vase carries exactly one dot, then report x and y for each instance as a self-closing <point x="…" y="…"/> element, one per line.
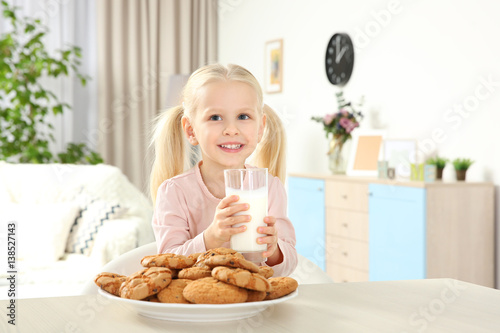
<point x="337" y="158"/>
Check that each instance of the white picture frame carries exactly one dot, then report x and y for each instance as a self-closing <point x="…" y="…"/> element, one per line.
<point x="400" y="154"/>
<point x="365" y="152"/>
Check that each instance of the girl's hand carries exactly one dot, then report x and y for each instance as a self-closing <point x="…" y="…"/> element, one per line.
<point x="221" y="229"/>
<point x="272" y="236"/>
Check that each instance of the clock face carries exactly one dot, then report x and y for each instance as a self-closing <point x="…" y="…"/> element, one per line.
<point x="339" y="60"/>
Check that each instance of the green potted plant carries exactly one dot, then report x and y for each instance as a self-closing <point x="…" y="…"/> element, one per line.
<point x="440" y="163"/>
<point x="25" y="101"/>
<point x="461" y="165"/>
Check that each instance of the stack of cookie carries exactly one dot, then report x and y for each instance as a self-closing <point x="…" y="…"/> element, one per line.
<point x="217" y="276"/>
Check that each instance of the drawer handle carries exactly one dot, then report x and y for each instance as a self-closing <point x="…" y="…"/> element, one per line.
<point x="345" y="225"/>
<point x="345" y="254"/>
<point x="320" y="189"/>
<point x="345" y="280"/>
<point x="344" y="196"/>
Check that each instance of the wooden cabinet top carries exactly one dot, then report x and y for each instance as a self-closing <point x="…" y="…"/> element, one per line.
<point x="399" y="182"/>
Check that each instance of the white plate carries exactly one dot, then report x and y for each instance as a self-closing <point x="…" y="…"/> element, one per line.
<point x="197" y="312"/>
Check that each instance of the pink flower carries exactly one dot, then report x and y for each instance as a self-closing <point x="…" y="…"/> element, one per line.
<point x="348" y="124"/>
<point x="328" y="119"/>
<point x="344" y="122"/>
<point x="353" y="126"/>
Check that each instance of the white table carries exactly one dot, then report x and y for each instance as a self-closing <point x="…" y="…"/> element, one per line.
<point x="441" y="305"/>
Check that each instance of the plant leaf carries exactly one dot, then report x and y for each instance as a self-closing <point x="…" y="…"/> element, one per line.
<point x="58" y="109"/>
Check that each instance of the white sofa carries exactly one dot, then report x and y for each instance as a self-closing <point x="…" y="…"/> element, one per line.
<point x="55" y="256"/>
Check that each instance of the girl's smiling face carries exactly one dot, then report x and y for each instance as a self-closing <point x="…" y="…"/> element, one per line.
<point x="228" y="124"/>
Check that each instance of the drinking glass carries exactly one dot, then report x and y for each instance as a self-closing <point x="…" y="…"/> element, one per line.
<point x="251" y="187"/>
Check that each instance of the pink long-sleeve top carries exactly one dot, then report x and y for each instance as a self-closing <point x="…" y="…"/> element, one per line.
<point x="185" y="208"/>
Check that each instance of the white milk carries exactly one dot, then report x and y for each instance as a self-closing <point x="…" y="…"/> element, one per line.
<point x="247" y="240"/>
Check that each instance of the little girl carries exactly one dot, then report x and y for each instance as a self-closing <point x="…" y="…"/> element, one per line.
<point x="222" y="113"/>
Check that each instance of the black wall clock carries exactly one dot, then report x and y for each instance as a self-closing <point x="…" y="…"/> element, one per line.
<point x="339" y="60"/>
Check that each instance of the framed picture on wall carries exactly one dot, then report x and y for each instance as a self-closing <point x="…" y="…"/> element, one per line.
<point x="274" y="66"/>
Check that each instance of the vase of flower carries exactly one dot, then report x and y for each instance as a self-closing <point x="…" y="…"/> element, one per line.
<point x="340" y="125"/>
<point x="337" y="156"/>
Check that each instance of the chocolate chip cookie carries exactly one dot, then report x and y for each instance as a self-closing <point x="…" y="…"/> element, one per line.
<point x="200" y="262"/>
<point x="230" y="260"/>
<point x="281" y="286"/>
<point x="110" y="282"/>
<point x="168" y="260"/>
<point x="266" y="271"/>
<point x="173" y="292"/>
<point x="212" y="291"/>
<point x="146" y="282"/>
<point x="195" y="273"/>
<point x="241" y="278"/>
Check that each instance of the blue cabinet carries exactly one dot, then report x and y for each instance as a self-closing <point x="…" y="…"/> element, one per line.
<point x="306" y="210"/>
<point x="397" y="222"/>
<point x="360" y="229"/>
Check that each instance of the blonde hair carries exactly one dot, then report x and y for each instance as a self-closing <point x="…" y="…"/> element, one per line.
<point x="169" y="140"/>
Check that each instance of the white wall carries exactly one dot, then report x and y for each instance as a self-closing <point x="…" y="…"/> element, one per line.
<point x="423" y="67"/>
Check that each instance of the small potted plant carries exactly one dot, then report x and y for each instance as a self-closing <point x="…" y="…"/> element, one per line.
<point x="440" y="163"/>
<point x="461" y="165"/>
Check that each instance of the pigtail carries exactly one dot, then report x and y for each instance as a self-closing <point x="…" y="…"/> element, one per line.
<point x="271" y="151"/>
<point x="170" y="147"/>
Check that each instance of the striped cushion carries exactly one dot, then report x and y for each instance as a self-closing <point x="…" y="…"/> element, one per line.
<point x="94" y="213"/>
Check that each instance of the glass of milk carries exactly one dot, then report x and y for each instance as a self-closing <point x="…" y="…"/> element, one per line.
<point x="251" y="187"/>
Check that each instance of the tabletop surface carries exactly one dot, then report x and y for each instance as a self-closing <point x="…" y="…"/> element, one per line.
<point x="439" y="305"/>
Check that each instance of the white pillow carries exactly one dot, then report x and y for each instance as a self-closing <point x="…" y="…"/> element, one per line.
<point x="41" y="229"/>
<point x="93" y="214"/>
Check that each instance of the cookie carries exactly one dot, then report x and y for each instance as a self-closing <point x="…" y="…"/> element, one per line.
<point x="195" y="256"/>
<point x="281" y="286"/>
<point x="266" y="271"/>
<point x="145" y="282"/>
<point x="110" y="282"/>
<point x="256" y="296"/>
<point x="241" y="278"/>
<point x="212" y="291"/>
<point x="195" y="273"/>
<point x="173" y="292"/>
<point x="168" y="260"/>
<point x="153" y="298"/>
<point x="231" y="260"/>
<point x="200" y="262"/>
<point x="175" y="273"/>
